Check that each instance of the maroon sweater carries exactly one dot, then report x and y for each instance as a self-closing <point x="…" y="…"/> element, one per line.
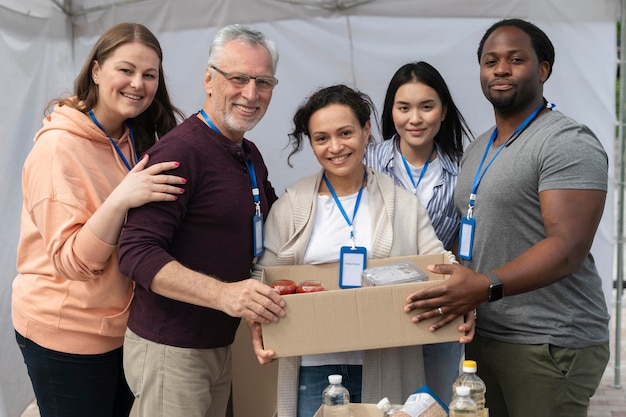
<point x="208" y="229"/>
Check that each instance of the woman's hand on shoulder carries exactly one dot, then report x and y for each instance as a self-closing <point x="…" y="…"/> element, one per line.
<point x="145" y="185"/>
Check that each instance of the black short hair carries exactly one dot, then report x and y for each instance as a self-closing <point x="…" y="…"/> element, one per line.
<point x="539" y="40"/>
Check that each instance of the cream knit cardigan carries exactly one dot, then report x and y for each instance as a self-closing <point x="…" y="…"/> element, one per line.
<point x="400" y="226"/>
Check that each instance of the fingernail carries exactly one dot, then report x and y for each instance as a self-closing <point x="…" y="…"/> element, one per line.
<point x="184" y="180"/>
<point x="177" y="164"/>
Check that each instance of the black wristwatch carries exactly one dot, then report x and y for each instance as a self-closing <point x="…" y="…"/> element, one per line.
<point x="496" y="289"/>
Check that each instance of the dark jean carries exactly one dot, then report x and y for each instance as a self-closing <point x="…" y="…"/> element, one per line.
<point x="69" y="385"/>
<point x="441" y="367"/>
<point x="314" y="379"/>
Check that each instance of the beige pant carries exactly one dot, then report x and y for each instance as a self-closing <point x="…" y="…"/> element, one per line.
<point x="170" y="381"/>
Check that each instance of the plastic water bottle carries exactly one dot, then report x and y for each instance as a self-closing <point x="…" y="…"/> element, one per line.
<point x="386" y="406"/>
<point x="463" y="405"/>
<point x="469" y="379"/>
<point x="336" y="398"/>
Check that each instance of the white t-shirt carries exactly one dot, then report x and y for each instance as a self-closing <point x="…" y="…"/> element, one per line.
<point x="330" y="233"/>
<point x="426" y="186"/>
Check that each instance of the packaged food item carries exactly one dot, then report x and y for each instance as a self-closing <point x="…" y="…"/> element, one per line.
<point x="284" y="286"/>
<point x="310" y="286"/>
<point x="394" y="273"/>
<point x="422" y="403"/>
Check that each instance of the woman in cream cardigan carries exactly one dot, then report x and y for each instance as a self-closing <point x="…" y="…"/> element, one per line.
<point x="344" y="205"/>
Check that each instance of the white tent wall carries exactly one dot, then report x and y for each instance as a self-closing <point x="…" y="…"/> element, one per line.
<point x="35" y="60"/>
<point x="362" y="47"/>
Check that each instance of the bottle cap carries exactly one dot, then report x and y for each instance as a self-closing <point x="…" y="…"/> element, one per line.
<point x="462" y="391"/>
<point x="469" y="366"/>
<point x="335" y="379"/>
<point x="383" y="404"/>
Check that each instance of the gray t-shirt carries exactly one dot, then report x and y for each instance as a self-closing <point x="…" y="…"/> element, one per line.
<point x="553" y="152"/>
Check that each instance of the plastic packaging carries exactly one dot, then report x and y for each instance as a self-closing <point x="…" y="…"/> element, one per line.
<point x="422" y="403"/>
<point x="395" y="273"/>
<point x="336" y="398"/>
<point x="462" y="405"/>
<point x="388" y="408"/>
<point x="469" y="379"/>
<point x="284" y="286"/>
<point x="310" y="286"/>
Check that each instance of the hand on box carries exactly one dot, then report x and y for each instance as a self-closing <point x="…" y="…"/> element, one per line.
<point x="252" y="300"/>
<point x="468" y="327"/>
<point x="457" y="296"/>
<point x="262" y="355"/>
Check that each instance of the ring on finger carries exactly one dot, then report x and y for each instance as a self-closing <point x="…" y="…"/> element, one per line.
<point x="440" y="311"/>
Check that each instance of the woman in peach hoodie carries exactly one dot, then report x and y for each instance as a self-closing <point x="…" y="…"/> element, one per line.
<point x="70" y="302"/>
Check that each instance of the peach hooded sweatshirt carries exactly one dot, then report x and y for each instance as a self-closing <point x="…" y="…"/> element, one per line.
<point x="69" y="295"/>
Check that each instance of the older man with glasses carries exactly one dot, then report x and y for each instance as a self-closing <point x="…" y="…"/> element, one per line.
<point x="190" y="259"/>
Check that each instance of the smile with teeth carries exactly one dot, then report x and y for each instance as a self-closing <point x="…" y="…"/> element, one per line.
<point x="246" y="109"/>
<point x="131" y="96"/>
<point x="339" y="158"/>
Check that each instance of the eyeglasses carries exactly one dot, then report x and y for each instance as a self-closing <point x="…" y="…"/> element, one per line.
<point x="241" y="80"/>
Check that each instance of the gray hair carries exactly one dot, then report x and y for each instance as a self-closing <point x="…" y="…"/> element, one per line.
<point x="247" y="36"/>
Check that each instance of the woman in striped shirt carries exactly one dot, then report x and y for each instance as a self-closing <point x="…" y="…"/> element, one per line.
<point x="423" y="134"/>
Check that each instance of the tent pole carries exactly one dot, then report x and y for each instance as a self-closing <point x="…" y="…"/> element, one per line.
<point x="620" y="199"/>
<point x="66" y="7"/>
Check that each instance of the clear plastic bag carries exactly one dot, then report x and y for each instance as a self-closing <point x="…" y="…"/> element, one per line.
<point x="394" y="273"/>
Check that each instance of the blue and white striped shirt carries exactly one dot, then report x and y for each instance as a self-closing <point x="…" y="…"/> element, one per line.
<point x="444" y="217"/>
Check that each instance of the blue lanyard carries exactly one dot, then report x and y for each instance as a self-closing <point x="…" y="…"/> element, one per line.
<point x="209" y="122"/>
<point x="479" y="175"/>
<point x="117" y="148"/>
<point x="424" y="168"/>
<point x="343" y="212"/>
<point x="255" y="188"/>
<point x="251" y="173"/>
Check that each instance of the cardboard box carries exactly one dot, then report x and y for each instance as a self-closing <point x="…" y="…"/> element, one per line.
<point x="370" y="410"/>
<point x="357" y="410"/>
<point x="254" y="386"/>
<point x="340" y="320"/>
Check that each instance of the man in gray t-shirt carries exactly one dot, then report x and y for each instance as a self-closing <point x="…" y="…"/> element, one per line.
<point x="531" y="193"/>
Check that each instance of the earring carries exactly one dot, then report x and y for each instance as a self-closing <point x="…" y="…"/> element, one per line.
<point x="95" y="81"/>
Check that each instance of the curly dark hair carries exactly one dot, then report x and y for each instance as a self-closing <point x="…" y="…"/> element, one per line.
<point x="360" y="103"/>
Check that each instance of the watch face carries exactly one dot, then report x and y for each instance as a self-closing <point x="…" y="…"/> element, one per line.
<point x="495" y="292"/>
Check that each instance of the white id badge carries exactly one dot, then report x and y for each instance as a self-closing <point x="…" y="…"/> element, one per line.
<point x="352" y="262"/>
<point x="257" y="234"/>
<point x="466" y="237"/>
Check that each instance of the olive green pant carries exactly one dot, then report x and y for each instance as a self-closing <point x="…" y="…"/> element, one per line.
<point x="537" y="380"/>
